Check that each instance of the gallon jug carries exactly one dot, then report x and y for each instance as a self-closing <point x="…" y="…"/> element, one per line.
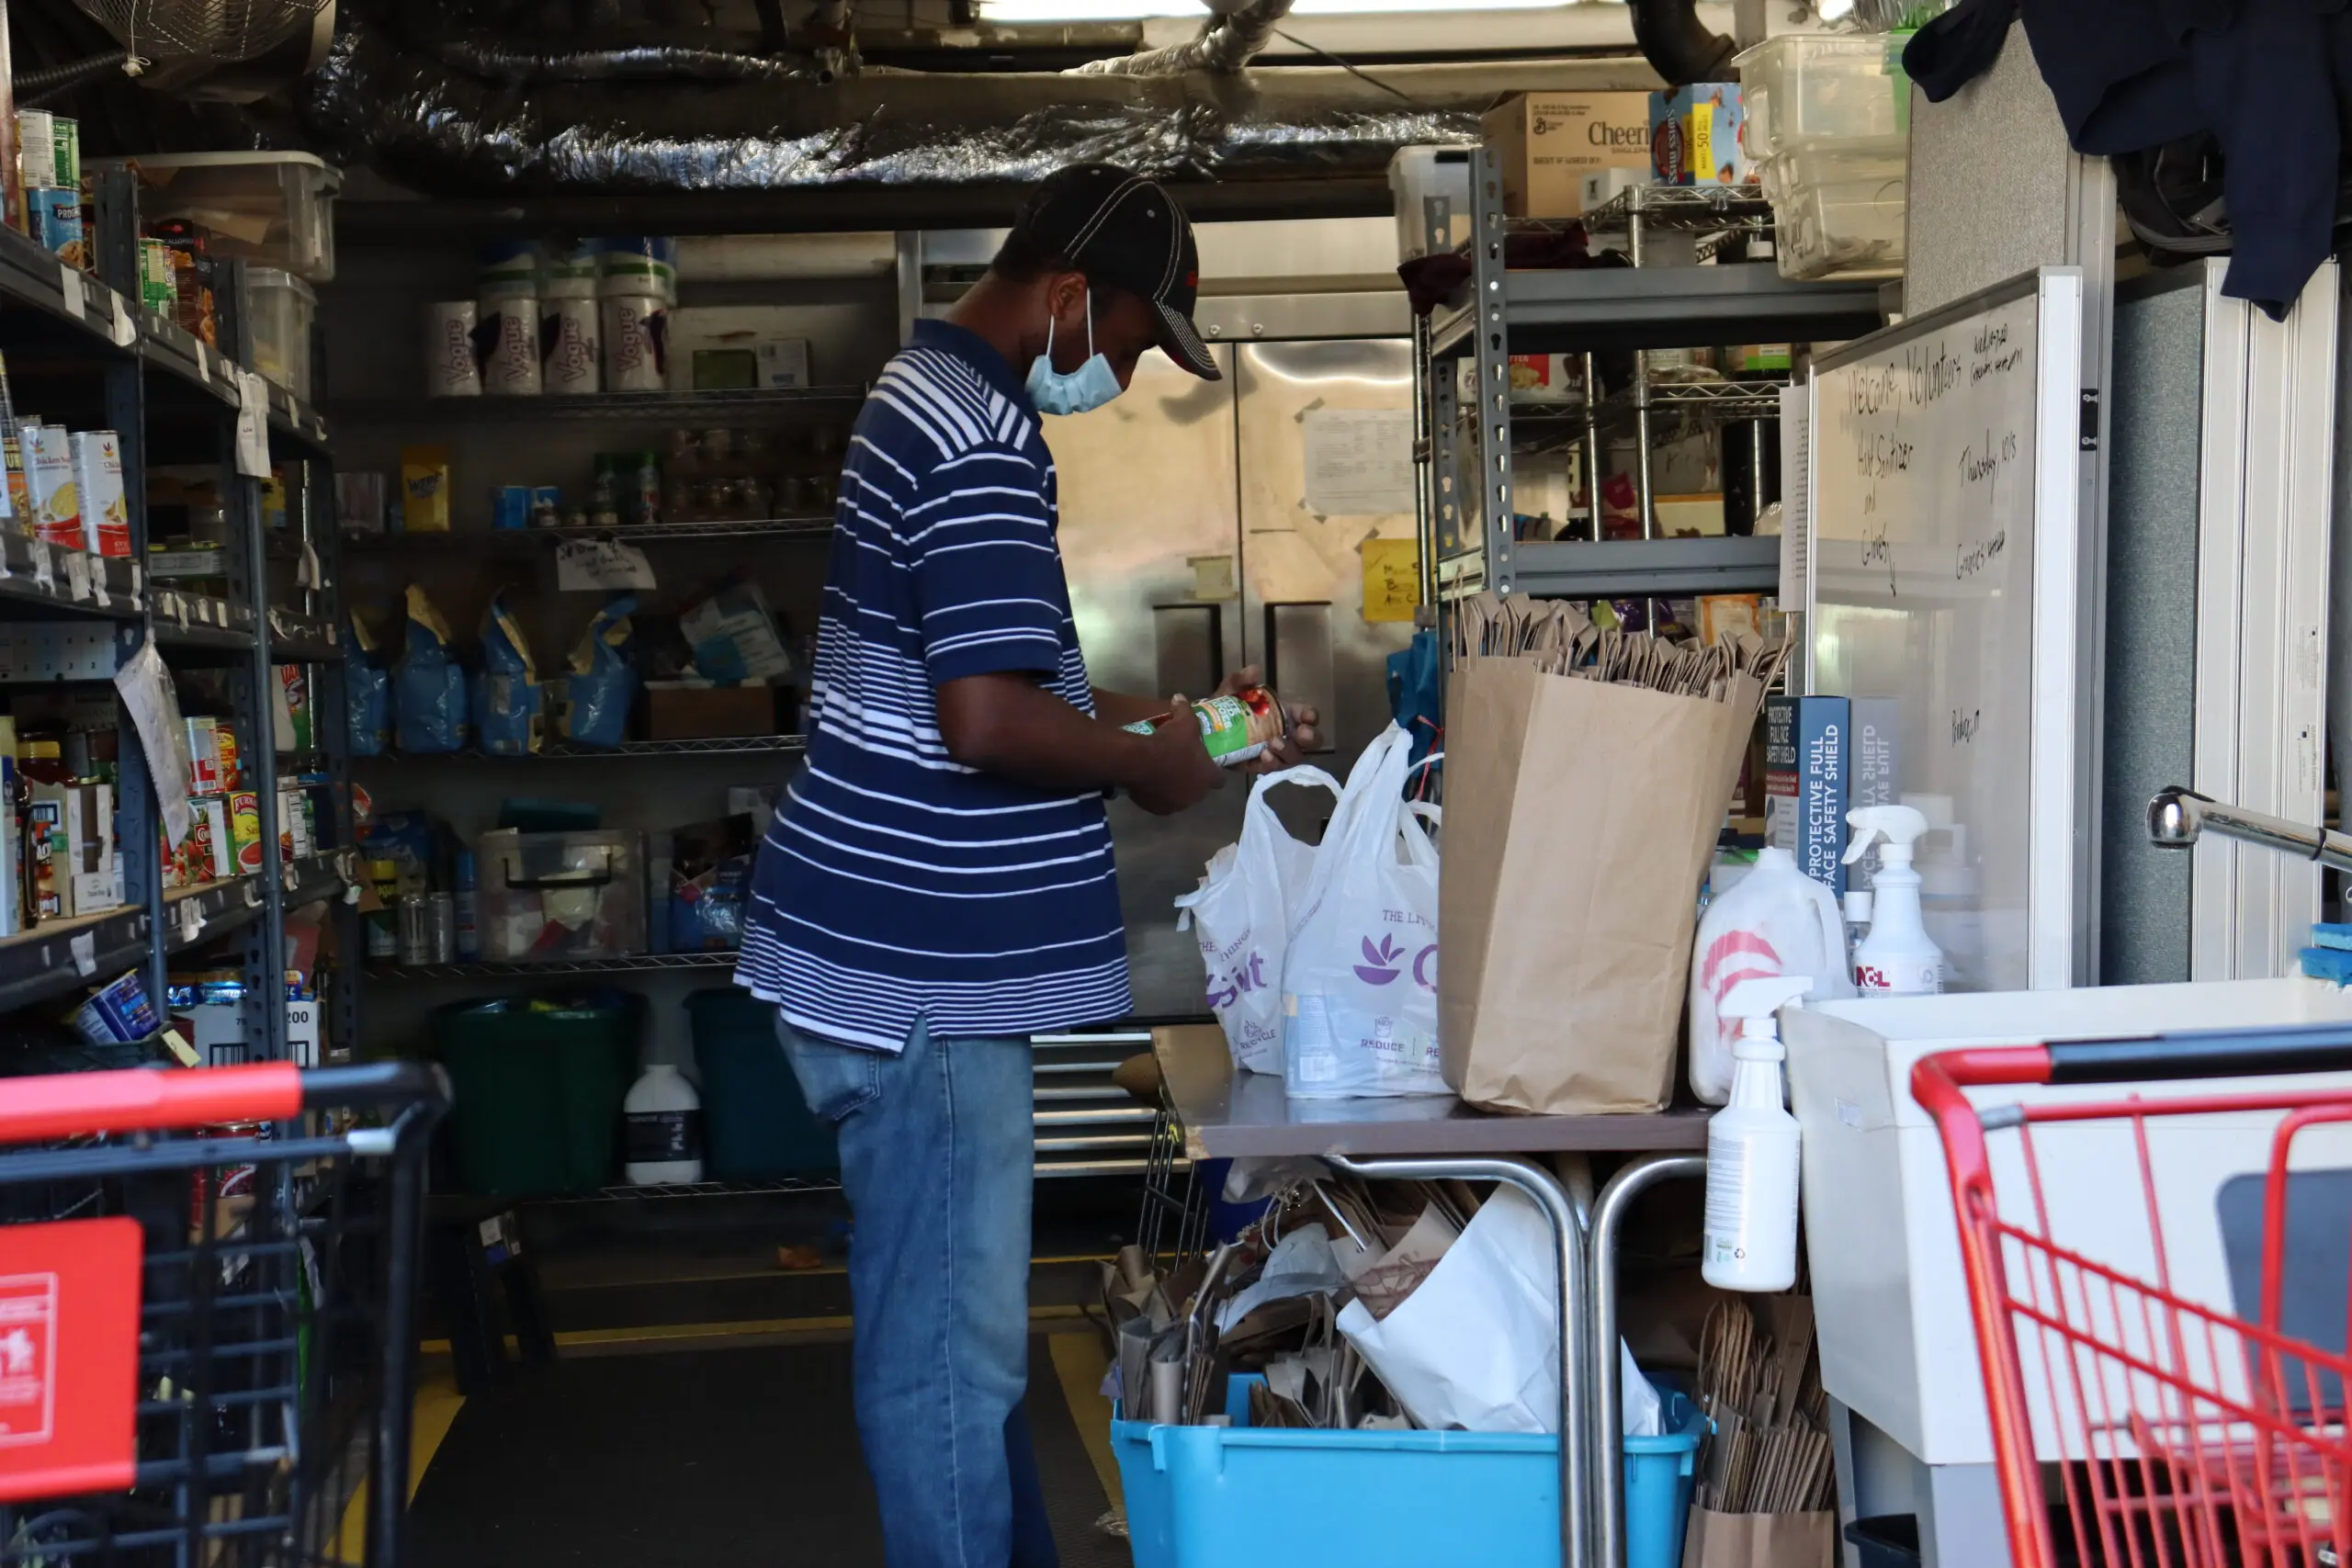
<point x="662" y="1128"/>
<point x="1774" y="920"/>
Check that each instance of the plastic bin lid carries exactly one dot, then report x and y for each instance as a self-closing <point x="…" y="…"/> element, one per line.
<point x="278" y="277"/>
<point x="225" y="161"/>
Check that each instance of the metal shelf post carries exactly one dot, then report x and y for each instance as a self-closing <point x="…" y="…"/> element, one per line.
<point x="1491" y="354"/>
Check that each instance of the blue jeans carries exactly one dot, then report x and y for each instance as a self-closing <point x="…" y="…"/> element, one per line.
<point x="936" y="1146"/>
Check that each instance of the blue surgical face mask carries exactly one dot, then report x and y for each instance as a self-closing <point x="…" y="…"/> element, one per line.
<point x="1088" y="387"/>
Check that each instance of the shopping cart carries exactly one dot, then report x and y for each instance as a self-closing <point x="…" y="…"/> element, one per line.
<point x="2132" y="1424"/>
<point x="207" y="1314"/>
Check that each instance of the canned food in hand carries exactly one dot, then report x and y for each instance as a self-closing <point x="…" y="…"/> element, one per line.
<point x="1236" y="729"/>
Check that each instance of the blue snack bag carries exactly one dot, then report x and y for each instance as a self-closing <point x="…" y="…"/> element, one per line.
<point x="604" y="680"/>
<point x="428" y="686"/>
<point x="509" y="704"/>
<point x="367" y="697"/>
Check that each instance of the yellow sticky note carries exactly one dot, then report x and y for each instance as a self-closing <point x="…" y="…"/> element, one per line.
<point x="1392" y="579"/>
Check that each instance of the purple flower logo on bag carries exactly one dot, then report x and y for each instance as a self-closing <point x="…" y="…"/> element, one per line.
<point x="1380" y="962"/>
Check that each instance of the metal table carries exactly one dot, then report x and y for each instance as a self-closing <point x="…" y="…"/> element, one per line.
<point x="1437" y="1138"/>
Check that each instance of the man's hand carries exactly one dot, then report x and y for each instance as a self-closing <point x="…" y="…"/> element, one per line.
<point x="1301" y="734"/>
<point x="1178" y="772"/>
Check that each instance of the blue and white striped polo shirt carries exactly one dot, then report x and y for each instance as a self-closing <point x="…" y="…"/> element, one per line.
<point x="895" y="883"/>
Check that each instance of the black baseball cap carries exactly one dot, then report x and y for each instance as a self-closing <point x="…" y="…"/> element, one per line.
<point x="1126" y="230"/>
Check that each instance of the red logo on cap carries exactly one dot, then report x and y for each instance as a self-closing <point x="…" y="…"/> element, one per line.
<point x="1192" y="280"/>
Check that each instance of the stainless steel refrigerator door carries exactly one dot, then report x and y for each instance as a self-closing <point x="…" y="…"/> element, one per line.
<point x="1326" y="452"/>
<point x="1150" y="529"/>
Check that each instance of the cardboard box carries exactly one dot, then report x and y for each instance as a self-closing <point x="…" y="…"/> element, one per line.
<point x="1696" y="136"/>
<point x="97" y="471"/>
<point x="425" y="490"/>
<point x="49" y="469"/>
<point x="1547" y="142"/>
<point x="1807" y="755"/>
<point x="679" y="711"/>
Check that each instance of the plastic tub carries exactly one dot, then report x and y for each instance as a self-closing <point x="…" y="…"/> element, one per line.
<point x="1216" y="1497"/>
<point x="1837" y="211"/>
<point x="536" y="1096"/>
<point x="1416" y="173"/>
<point x="549" y="896"/>
<point x="1807" y="89"/>
<point x="282" y="308"/>
<point x="756" y="1127"/>
<point x="276" y="208"/>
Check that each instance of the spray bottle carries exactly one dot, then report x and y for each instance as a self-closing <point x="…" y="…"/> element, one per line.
<point x="1751" y="1223"/>
<point x="1897" y="959"/>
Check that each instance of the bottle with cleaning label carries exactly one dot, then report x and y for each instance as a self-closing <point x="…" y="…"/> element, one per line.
<point x="1774" y="920"/>
<point x="1897" y="959"/>
<point x="662" y="1128"/>
<point x="1751" y="1242"/>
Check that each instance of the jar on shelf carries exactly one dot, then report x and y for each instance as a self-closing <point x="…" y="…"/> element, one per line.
<point x="604" y="492"/>
<point x="791" y="496"/>
<point x="644" y="497"/>
<point x="682" y="445"/>
<point x="717" y="444"/>
<point x="710" y="501"/>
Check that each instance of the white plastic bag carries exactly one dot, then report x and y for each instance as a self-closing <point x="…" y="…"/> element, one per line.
<point x="1774" y="920"/>
<point x="1360" y="978"/>
<point x="1241" y="912"/>
<point x="1477" y="1346"/>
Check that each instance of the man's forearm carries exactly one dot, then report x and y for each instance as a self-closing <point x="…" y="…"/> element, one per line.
<point x="1010" y="725"/>
<point x="1122" y="707"/>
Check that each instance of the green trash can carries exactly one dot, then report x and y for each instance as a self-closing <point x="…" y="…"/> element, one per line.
<point x="756" y="1127"/>
<point x="536" y="1091"/>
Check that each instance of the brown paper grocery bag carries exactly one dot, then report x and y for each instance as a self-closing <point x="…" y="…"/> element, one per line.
<point x="1759" y="1540"/>
<point x="1579" y="818"/>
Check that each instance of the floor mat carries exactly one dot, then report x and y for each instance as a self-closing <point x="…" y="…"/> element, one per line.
<point x="684" y="1459"/>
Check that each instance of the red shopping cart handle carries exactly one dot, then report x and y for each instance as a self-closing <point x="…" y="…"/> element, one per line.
<point x="142" y="1099"/>
<point x="2188" y="1054"/>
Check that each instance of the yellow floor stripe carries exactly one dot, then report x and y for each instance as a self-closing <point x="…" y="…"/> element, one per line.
<point x="1079" y="1363"/>
<point x="437" y="1404"/>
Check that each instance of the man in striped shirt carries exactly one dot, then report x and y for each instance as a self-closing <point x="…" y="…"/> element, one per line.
<point x="938" y="886"/>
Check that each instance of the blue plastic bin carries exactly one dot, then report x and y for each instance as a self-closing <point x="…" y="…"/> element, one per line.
<point x="1228" y="1496"/>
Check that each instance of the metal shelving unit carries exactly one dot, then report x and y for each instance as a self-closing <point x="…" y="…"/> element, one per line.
<point x="83" y="353"/>
<point x="527" y="539"/>
<point x="602" y="406"/>
<point x="565" y="750"/>
<point x="634" y="962"/>
<point x="1467" y="522"/>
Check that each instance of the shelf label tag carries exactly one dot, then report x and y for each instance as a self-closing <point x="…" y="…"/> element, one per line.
<point x="122" y="330"/>
<point x="77" y="574"/>
<point x="44" y="572"/>
<point x="253" y="431"/>
<point x="253" y="892"/>
<point x="191" y="918"/>
<point x="69" y="283"/>
<point x="182" y="1052"/>
<point x="84" y="946"/>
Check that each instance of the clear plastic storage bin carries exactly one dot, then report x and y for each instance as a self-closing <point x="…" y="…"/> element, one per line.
<point x="1809" y="88"/>
<point x="1837" y="211"/>
<point x="546" y="897"/>
<point x="276" y="208"/>
<point x="282" y="307"/>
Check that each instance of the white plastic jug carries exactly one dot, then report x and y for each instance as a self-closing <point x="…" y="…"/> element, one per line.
<point x="663" y="1129"/>
<point x="1775" y="920"/>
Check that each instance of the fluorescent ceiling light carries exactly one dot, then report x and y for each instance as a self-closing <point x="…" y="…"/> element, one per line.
<point x="1135" y="10"/>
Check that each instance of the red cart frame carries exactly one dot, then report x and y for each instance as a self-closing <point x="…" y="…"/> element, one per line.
<point x="208" y="1336"/>
<point x="2196" y="1438"/>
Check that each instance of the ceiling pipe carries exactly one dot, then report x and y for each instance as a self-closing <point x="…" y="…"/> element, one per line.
<point x="1226" y="44"/>
<point x="1682" y="48"/>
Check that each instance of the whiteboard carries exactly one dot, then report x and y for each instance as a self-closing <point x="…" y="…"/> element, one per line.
<point x="1946" y="462"/>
